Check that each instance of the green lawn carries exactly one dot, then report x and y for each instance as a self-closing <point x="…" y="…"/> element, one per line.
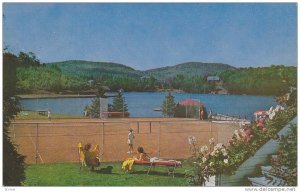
<point x="67" y="174"/>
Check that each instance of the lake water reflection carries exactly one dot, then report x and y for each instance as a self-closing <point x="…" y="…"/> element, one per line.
<point x="141" y="104"/>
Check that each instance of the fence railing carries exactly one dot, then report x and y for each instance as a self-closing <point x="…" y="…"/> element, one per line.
<point x="51" y="142"/>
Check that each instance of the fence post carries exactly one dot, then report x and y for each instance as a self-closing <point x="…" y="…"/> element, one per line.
<point x="138" y="127"/>
<point x="150" y="126"/>
<point x="103" y="141"/>
<point x="14" y="130"/>
<point x="36" y="143"/>
<point x="159" y="141"/>
<point x="217" y="133"/>
<point x="210" y="129"/>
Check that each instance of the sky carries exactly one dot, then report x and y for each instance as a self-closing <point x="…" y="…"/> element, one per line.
<point x="151" y="35"/>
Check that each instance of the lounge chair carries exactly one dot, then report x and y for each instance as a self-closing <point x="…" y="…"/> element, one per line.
<point x="170" y="164"/>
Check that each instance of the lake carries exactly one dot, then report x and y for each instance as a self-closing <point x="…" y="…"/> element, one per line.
<point x="141" y="104"/>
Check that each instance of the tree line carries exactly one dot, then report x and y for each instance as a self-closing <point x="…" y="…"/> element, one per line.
<point x="51" y="79"/>
<point x="274" y="80"/>
<point x="32" y="75"/>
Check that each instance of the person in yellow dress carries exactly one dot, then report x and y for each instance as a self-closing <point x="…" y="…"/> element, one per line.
<point x="128" y="163"/>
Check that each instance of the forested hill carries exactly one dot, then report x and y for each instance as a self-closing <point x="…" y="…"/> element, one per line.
<point x="273" y="80"/>
<point x="95" y="69"/>
<point x="188" y="69"/>
<point x="74" y="77"/>
<point x="100" y="69"/>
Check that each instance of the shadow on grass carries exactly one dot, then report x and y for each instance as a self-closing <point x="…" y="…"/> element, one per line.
<point x="106" y="170"/>
<point x="160" y="173"/>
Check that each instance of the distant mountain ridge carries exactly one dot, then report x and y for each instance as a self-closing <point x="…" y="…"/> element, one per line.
<point x="189" y="68"/>
<point x="90" y="68"/>
<point x="97" y="69"/>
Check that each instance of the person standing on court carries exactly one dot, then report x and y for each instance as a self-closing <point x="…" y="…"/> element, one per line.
<point x="49" y="115"/>
<point x="202" y="114"/>
<point x="130" y="140"/>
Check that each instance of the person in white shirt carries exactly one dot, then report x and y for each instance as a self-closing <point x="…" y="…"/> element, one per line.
<point x="49" y="115"/>
<point x="130" y="140"/>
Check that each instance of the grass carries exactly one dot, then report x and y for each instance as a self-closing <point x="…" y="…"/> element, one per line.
<point x="68" y="174"/>
<point x="35" y="115"/>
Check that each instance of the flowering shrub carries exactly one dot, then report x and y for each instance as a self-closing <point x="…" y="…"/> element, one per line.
<point x="206" y="162"/>
<point x="218" y="158"/>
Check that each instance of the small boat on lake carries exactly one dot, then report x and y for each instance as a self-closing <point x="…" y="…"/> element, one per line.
<point x="157" y="109"/>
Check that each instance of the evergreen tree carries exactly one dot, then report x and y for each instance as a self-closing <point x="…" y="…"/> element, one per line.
<point x="13" y="162"/>
<point x="119" y="104"/>
<point x="168" y="106"/>
<point x="94" y="109"/>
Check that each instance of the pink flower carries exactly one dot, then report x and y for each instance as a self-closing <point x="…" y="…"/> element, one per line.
<point x="259" y="124"/>
<point x="264" y="130"/>
<point x="248" y="132"/>
<point x="262" y="120"/>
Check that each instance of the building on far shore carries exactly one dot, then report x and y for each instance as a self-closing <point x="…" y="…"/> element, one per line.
<point x="213" y="78"/>
<point x="218" y="83"/>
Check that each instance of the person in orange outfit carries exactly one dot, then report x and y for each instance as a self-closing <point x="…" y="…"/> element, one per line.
<point x="142" y="156"/>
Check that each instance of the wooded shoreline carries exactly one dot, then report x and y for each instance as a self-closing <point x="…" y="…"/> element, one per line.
<point x="55" y="95"/>
<point x="39" y="96"/>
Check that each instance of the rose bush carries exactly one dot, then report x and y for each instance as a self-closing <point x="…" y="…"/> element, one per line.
<point x="219" y="158"/>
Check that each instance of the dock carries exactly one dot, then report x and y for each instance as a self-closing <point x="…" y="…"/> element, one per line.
<point x="222" y="117"/>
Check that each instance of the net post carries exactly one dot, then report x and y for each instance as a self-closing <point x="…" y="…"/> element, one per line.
<point x="36" y="143"/>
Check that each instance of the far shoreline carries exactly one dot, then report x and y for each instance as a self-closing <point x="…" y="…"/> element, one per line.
<point x="50" y="96"/>
<point x="56" y="96"/>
